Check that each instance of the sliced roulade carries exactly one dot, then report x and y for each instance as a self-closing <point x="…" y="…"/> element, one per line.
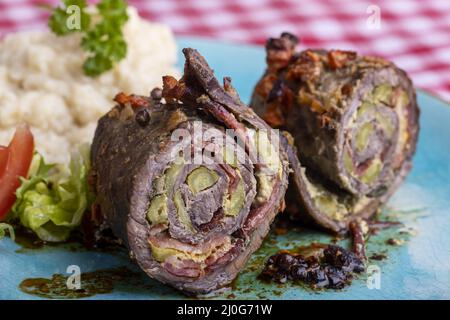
<point x="354" y="120"/>
<point x="190" y="183"/>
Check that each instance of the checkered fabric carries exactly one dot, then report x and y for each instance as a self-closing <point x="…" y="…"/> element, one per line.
<point x="415" y="34"/>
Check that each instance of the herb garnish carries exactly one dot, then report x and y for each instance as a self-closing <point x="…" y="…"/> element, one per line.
<point x="104" y="40"/>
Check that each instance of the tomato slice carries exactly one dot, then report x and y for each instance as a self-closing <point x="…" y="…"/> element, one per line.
<point x="18" y="160"/>
<point x="4" y="154"/>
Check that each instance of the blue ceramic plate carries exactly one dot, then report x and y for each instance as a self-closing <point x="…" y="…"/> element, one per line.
<point x="417" y="269"/>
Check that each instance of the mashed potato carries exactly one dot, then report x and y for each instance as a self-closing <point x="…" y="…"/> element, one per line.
<point x="42" y="83"/>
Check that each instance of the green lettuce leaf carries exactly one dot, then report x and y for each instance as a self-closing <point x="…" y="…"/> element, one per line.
<point x="52" y="201"/>
<point x="3" y="228"/>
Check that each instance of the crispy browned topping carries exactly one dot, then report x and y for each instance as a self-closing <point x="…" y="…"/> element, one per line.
<point x="306" y="68"/>
<point x="281" y="101"/>
<point x="338" y="58"/>
<point x="134" y="100"/>
<point x="280" y="51"/>
<point x="265" y="85"/>
<point x="273" y="116"/>
<point x="172" y="89"/>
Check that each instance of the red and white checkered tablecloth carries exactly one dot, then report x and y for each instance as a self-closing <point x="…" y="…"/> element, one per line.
<point x="415" y="34"/>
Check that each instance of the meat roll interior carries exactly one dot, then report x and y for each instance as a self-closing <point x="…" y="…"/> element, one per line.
<point x="190" y="210"/>
<point x="354" y="120"/>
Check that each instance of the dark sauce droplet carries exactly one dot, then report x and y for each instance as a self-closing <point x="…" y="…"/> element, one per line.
<point x="324" y="266"/>
<point x="143" y="117"/>
<point x="92" y="283"/>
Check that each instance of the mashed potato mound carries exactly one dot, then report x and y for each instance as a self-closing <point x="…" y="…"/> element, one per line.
<point x="42" y="83"/>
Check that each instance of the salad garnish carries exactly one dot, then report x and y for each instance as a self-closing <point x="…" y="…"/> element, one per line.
<point x="49" y="199"/>
<point x="52" y="201"/>
<point x="15" y="161"/>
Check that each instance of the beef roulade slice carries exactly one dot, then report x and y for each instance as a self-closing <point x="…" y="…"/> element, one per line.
<point x="190" y="183"/>
<point x="354" y="123"/>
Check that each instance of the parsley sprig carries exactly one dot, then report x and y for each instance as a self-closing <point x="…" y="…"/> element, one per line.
<point x="104" y="40"/>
